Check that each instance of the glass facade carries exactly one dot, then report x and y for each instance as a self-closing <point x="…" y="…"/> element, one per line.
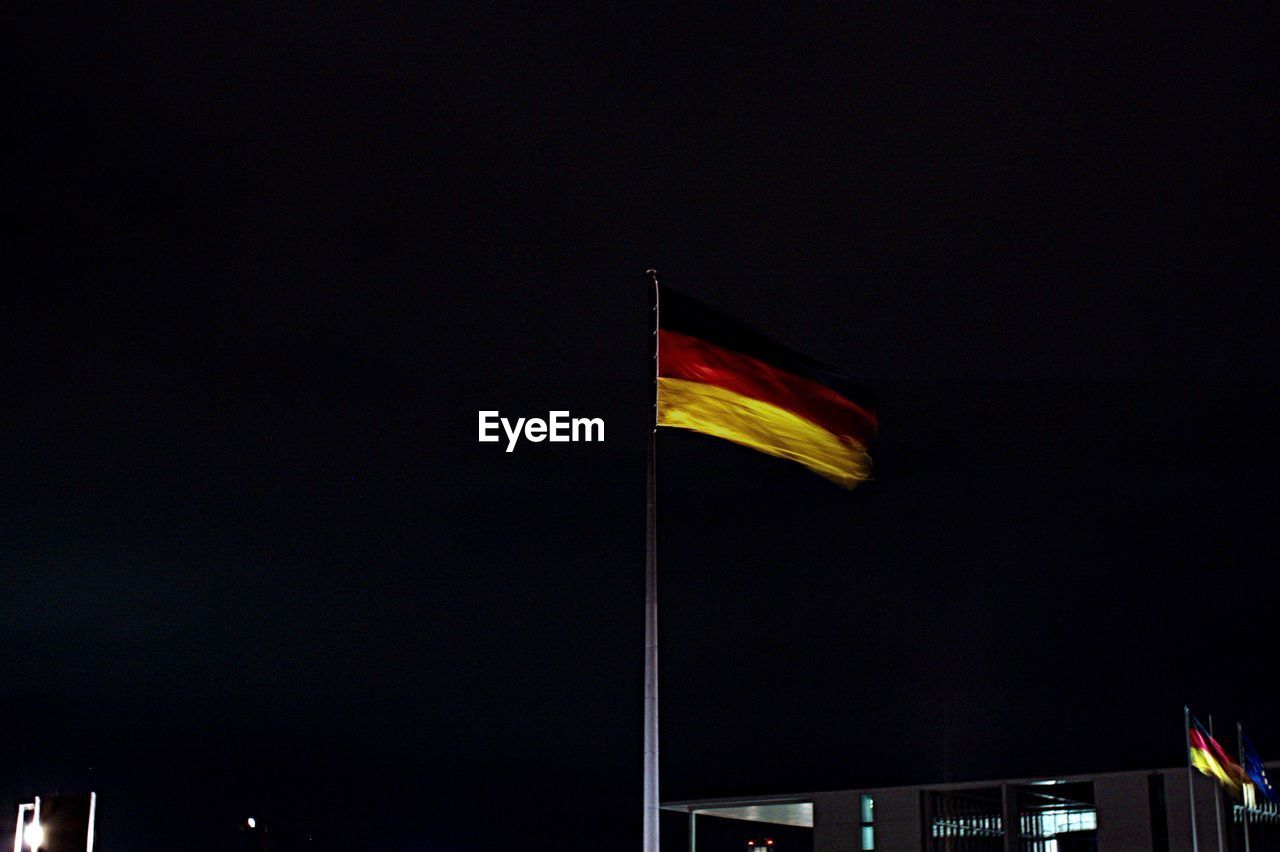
<point x="965" y="820"/>
<point x="1263" y="819"/>
<point x="1060" y="829"/>
<point x="867" y="816"/>
<point x="1049" y="818"/>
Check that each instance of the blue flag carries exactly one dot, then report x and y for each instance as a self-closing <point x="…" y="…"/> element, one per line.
<point x="1256" y="771"/>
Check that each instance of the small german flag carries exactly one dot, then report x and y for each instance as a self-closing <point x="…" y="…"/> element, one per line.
<point x="1208" y="756"/>
<point x="718" y="378"/>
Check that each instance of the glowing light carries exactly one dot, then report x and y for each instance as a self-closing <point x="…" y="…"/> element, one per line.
<point x="251" y="822"/>
<point x="33" y="836"/>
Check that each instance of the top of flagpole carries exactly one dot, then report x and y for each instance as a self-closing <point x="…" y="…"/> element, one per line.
<point x="653" y="276"/>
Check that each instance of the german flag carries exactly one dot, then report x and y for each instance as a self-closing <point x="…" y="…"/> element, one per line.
<point x="1211" y="759"/>
<point x="718" y="378"/>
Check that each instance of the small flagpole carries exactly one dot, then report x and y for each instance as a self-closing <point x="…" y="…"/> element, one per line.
<point x="1244" y="801"/>
<point x="651" y="799"/>
<point x="1191" y="787"/>
<point x="1217" y="797"/>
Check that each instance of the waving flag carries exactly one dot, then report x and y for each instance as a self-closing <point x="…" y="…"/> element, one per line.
<point x="1256" y="772"/>
<point x="720" y="379"/>
<point x="1211" y="759"/>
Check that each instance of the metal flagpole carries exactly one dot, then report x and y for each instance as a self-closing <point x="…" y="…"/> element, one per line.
<point x="1217" y="798"/>
<point x="651" y="800"/>
<point x="1191" y="787"/>
<point x="1244" y="800"/>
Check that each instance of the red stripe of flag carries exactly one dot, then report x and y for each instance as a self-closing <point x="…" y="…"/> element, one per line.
<point x="1213" y="748"/>
<point x="683" y="357"/>
<point x="1197" y="741"/>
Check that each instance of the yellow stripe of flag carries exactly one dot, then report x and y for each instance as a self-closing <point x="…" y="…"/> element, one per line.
<point x="1209" y="765"/>
<point x="713" y="410"/>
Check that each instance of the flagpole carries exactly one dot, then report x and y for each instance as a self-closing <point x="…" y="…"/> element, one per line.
<point x="1217" y="797"/>
<point x="1244" y="800"/>
<point x="651" y="800"/>
<point x="1191" y="787"/>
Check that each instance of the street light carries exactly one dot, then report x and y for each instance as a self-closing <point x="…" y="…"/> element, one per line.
<point x="63" y="822"/>
<point x="28" y="834"/>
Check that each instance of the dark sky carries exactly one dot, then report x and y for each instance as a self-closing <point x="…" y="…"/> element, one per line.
<point x="268" y="262"/>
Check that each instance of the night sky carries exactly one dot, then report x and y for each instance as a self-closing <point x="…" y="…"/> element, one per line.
<point x="267" y="263"/>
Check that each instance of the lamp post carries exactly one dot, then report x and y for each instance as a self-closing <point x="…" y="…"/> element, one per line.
<point x="30" y="834"/>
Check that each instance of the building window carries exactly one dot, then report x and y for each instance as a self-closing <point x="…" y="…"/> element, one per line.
<point x="1159" y="813"/>
<point x="867" y="816"/>
<point x="969" y="820"/>
<point x="1057" y="817"/>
